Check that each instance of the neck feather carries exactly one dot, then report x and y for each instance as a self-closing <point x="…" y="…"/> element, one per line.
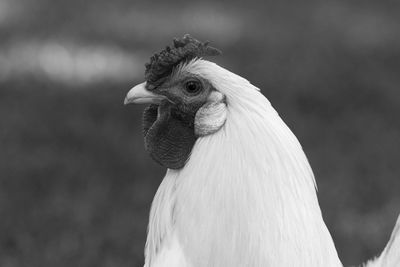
<point x="247" y="195"/>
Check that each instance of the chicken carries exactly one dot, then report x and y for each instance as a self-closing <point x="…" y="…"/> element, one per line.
<point x="239" y="190"/>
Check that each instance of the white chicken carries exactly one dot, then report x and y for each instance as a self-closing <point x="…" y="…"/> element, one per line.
<point x="239" y="190"/>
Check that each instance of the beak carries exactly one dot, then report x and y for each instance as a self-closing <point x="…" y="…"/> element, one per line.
<point x="140" y="95"/>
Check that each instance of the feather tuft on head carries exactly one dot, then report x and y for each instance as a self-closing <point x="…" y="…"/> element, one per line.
<point x="184" y="49"/>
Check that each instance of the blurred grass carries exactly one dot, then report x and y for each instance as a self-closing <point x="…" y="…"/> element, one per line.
<point x="74" y="186"/>
<point x="75" y="182"/>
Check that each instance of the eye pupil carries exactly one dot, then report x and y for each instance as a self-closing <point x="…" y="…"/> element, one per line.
<point x="192" y="87"/>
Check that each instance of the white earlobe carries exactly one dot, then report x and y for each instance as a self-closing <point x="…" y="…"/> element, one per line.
<point x="211" y="116"/>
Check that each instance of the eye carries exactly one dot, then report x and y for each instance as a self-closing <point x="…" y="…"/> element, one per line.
<point x="193" y="87"/>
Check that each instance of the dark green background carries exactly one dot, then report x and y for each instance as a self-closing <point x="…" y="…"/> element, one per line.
<point x="75" y="182"/>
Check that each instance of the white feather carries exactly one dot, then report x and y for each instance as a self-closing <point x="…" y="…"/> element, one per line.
<point x="246" y="197"/>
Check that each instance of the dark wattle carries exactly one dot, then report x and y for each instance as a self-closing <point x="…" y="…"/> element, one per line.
<point x="168" y="139"/>
<point x="149" y="117"/>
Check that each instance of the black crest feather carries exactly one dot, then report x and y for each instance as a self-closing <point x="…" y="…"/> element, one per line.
<point x="183" y="49"/>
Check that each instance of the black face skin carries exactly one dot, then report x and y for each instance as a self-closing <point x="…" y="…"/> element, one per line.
<point x="169" y="127"/>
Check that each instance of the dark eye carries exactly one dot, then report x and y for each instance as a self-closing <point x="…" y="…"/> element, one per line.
<point x="193" y="87"/>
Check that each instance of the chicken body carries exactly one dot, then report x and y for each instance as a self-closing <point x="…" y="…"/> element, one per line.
<point x="246" y="197"/>
<point x="239" y="190"/>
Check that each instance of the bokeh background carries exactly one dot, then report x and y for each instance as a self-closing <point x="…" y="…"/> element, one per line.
<point x="75" y="182"/>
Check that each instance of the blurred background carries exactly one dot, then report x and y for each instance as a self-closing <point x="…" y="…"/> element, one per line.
<point x="75" y="182"/>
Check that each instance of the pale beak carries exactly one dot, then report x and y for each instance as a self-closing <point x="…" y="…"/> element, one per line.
<point x="140" y="95"/>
